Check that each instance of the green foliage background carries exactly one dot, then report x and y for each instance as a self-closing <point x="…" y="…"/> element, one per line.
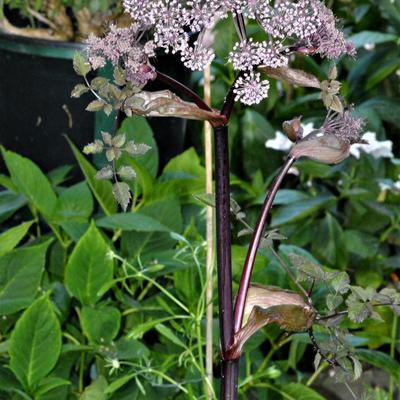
<point x="97" y="304"/>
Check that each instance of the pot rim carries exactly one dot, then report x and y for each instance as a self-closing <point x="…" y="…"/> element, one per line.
<point x="39" y="47"/>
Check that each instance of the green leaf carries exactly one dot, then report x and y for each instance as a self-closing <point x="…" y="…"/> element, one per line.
<point x="382" y="73"/>
<point x="370" y="37"/>
<point x="9" y="203"/>
<point x="361" y="243"/>
<point x="168" y="212"/>
<point x="183" y="175"/>
<point x="297" y="391"/>
<point x="89" y="267"/>
<point x="50" y="383"/>
<point x="35" y="343"/>
<point x="31" y="182"/>
<point x="135" y="221"/>
<point x="20" y="275"/>
<point x="329" y="244"/>
<point x="10" y="239"/>
<point x="131" y="349"/>
<point x="140" y="329"/>
<point x="359" y="312"/>
<point x="75" y="204"/>
<point x="287" y="196"/>
<point x="100" y="325"/>
<point x="81" y="67"/>
<point x="256" y="131"/>
<point x="380" y="360"/>
<point x="300" y="210"/>
<point x="167" y="332"/>
<point x="102" y="190"/>
<point x="96" y="390"/>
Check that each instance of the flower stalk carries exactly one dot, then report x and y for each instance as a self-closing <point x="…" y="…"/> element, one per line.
<point x="255" y="243"/>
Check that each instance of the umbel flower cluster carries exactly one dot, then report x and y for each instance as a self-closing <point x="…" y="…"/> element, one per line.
<point x="170" y="25"/>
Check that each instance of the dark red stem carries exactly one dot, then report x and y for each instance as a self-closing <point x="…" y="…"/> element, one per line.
<point x="223" y="228"/>
<point x="183" y="90"/>
<point x="255" y="243"/>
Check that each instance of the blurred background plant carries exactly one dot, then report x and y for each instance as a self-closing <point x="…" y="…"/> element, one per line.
<point x="151" y="306"/>
<point x="60" y="20"/>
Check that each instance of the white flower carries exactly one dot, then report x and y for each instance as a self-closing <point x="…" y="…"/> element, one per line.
<point x="114" y="365"/>
<point x="378" y="149"/>
<point x="281" y="141"/>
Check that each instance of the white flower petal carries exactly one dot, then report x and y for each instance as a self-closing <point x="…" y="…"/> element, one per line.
<point x="378" y="149"/>
<point x="280" y="142"/>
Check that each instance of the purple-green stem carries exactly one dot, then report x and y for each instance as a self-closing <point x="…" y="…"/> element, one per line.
<point x="255" y="243"/>
<point x="230" y="318"/>
<point x="183" y="90"/>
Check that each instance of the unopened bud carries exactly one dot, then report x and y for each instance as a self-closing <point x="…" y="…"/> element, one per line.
<point x="293" y="129"/>
<point x="323" y="147"/>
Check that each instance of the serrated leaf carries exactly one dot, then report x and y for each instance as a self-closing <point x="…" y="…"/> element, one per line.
<point x="81" y="67"/>
<point x="107" y="138"/>
<point x="108" y="109"/>
<point x="101" y="189"/>
<point x="105" y="173"/>
<point x="122" y="194"/>
<point x="119" y="140"/>
<point x="119" y="76"/>
<point x="340" y="282"/>
<point x="307" y="268"/>
<point x="113" y="154"/>
<point x="94" y="148"/>
<point x="333" y="301"/>
<point x="79" y="90"/>
<point x="137" y="149"/>
<point x="98" y="82"/>
<point x="359" y="312"/>
<point x="127" y="173"/>
<point x="96" y="105"/>
<point x="35" y="343"/>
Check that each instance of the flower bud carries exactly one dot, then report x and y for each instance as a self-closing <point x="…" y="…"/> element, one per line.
<point x="322" y="147"/>
<point x="293" y="129"/>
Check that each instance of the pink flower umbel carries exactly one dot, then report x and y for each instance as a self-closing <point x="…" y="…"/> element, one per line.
<point x="306" y="24"/>
<point x="250" y="89"/>
<point x="122" y="45"/>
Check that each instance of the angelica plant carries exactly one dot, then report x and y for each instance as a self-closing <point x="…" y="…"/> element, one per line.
<point x="304" y="27"/>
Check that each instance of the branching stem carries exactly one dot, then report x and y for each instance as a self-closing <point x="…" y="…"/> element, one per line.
<point x="183" y="90"/>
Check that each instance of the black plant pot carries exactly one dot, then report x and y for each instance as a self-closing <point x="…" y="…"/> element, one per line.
<point x="36" y="110"/>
